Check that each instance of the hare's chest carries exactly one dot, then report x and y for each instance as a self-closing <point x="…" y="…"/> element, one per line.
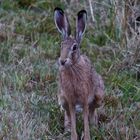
<point x="72" y="85"/>
<point x="70" y="80"/>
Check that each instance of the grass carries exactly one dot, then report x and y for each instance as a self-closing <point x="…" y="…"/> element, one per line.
<point x="29" y="49"/>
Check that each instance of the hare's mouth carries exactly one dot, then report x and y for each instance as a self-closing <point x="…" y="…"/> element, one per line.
<point x="65" y="63"/>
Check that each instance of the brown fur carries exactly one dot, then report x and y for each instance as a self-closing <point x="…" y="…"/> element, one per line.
<point x="79" y="84"/>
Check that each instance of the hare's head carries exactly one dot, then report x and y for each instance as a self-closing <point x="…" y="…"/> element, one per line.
<point x="70" y="46"/>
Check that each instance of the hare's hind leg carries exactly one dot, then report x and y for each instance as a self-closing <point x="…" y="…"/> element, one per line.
<point x="96" y="103"/>
<point x="93" y="116"/>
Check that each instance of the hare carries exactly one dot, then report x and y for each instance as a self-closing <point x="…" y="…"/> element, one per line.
<point x="80" y="87"/>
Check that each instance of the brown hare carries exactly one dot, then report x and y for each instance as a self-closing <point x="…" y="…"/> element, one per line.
<point x="80" y="87"/>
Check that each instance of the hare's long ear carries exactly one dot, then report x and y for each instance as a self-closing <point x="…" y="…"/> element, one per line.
<point x="80" y="24"/>
<point x="61" y="22"/>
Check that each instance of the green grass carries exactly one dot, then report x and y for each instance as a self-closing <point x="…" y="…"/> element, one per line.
<point x="29" y="49"/>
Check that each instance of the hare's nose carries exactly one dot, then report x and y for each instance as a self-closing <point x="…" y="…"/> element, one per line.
<point x="63" y="62"/>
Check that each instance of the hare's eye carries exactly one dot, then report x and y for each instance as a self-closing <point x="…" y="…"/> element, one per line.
<point x="74" y="47"/>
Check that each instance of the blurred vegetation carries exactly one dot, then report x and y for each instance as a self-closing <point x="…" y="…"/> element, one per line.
<point x="29" y="49"/>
